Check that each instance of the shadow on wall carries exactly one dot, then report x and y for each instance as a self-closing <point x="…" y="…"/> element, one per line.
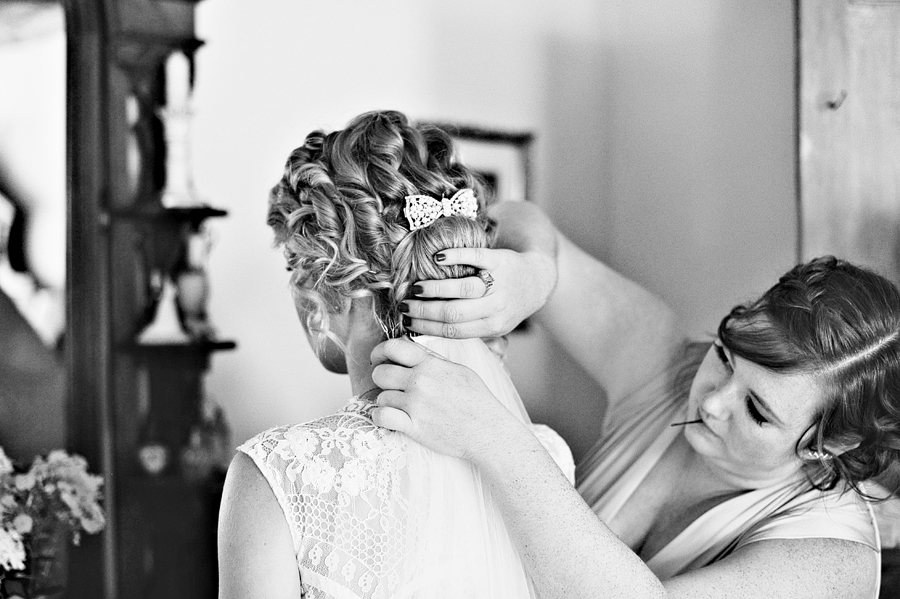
<point x="32" y="388"/>
<point x="575" y="146"/>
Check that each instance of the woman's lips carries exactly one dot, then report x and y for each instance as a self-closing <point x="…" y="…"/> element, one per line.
<point x="704" y="425"/>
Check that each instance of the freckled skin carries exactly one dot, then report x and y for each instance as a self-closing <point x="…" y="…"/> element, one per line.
<point x="746" y="453"/>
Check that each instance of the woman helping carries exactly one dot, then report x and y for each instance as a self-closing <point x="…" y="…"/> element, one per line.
<point x="759" y="488"/>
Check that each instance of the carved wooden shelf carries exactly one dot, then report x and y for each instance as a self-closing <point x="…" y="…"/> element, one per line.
<point x="191" y="347"/>
<point x="194" y="215"/>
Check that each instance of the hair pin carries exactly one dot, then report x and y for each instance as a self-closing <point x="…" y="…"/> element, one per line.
<point x="422" y="210"/>
<point x="697" y="421"/>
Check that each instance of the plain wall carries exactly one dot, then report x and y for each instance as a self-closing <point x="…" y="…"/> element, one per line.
<point x="665" y="146"/>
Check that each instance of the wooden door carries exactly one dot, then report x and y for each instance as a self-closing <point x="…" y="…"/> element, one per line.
<point x="849" y="131"/>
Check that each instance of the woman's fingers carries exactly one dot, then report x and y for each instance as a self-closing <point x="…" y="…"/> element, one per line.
<point x="395" y="361"/>
<point x="400" y="351"/>
<point x="465" y="288"/>
<point x="462" y="330"/>
<point x="450" y="311"/>
<point x="392" y="418"/>
<point x="477" y="257"/>
<point x="391" y="376"/>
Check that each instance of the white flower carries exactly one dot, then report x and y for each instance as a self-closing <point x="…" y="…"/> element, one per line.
<point x="335" y="439"/>
<point x="303" y="441"/>
<point x="24" y="482"/>
<point x="353" y="479"/>
<point x="293" y="468"/>
<point x="6" y="465"/>
<point x="368" y="445"/>
<point x="93" y="521"/>
<point x="23" y="524"/>
<point x="59" y="456"/>
<point x="394" y="447"/>
<point x="12" y="551"/>
<point x="319" y="474"/>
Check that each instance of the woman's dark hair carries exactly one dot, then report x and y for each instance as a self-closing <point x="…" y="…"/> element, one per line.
<point x="337" y="213"/>
<point x="841" y="323"/>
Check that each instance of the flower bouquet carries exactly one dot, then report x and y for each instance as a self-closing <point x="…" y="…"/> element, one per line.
<point x="41" y="510"/>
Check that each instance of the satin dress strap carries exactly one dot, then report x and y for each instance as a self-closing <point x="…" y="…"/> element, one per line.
<point x="635" y="439"/>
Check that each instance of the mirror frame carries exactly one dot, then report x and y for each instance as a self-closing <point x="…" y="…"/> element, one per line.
<point x="86" y="338"/>
<point x="115" y="51"/>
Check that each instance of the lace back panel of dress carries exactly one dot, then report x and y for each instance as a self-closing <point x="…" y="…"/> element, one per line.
<point x="376" y="515"/>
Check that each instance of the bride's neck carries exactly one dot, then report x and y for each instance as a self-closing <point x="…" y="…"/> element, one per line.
<point x="363" y="336"/>
<point x="359" y="368"/>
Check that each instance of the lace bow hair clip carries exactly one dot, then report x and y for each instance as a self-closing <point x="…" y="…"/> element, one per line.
<point x="422" y="211"/>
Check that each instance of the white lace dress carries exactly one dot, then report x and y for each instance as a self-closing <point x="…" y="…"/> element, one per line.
<point x="374" y="514"/>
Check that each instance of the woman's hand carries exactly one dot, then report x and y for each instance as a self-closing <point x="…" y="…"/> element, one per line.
<point x="442" y="405"/>
<point x="522" y="282"/>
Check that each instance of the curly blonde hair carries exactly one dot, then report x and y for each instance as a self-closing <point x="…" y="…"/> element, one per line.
<point x="337" y="213"/>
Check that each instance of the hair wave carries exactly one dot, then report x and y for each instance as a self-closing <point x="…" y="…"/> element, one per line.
<point x="337" y="213"/>
<point x="841" y="323"/>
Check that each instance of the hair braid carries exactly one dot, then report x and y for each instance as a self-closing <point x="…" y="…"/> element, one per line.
<point x="338" y="215"/>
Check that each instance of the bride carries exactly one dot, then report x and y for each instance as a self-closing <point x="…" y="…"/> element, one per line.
<point x="338" y="507"/>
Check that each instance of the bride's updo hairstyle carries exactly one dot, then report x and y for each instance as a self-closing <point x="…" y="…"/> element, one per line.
<point x="337" y="213"/>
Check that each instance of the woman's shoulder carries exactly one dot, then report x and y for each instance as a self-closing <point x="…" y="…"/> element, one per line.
<point x="346" y="434"/>
<point x="838" y="513"/>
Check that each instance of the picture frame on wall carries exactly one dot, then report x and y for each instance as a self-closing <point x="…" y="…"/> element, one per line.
<point x="502" y="158"/>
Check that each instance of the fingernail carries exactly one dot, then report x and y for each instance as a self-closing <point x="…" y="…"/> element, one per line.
<point x="403" y="307"/>
<point x="406" y="321"/>
<point x="439" y="257"/>
<point x="416" y="290"/>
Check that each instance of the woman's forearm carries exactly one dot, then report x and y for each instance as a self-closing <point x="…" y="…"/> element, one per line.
<point x="522" y="227"/>
<point x="619" y="332"/>
<point x="568" y="551"/>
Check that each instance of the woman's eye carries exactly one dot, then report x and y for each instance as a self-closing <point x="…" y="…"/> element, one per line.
<point x="754" y="412"/>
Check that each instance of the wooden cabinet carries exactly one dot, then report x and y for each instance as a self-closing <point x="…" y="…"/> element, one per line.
<point x="849" y="131"/>
<point x="160" y="540"/>
<point x="849" y="146"/>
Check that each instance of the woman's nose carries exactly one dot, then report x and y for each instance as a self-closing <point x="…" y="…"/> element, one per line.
<point x="716" y="403"/>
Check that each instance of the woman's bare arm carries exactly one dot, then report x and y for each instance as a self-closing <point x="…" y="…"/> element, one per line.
<point x="256" y="553"/>
<point x="571" y="553"/>
<point x="619" y="332"/>
<point x="568" y="550"/>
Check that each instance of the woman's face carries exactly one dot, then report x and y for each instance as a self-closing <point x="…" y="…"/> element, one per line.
<point x="752" y="417"/>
